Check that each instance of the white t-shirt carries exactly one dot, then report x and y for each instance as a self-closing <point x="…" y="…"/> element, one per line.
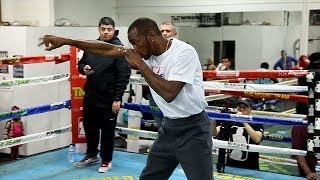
<point x="180" y="63"/>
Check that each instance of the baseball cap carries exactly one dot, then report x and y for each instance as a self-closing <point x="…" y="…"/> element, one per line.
<point x="246" y="101"/>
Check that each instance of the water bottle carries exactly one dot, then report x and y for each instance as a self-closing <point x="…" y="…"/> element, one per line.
<point x="71" y="154"/>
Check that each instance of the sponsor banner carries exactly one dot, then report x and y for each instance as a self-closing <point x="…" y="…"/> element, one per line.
<point x="57" y="58"/>
<point x="77" y="82"/>
<point x="34" y="81"/>
<point x="292" y="97"/>
<point x="255" y="74"/>
<point x="33" y="137"/>
<point x="34" y="110"/>
<point x="253" y="87"/>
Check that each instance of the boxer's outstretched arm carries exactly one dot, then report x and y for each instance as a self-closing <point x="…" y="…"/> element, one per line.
<point x="97" y="47"/>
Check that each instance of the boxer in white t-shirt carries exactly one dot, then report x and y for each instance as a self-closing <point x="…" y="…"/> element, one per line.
<point x="174" y="75"/>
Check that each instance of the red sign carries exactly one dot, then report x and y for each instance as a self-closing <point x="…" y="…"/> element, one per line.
<point x="77" y="81"/>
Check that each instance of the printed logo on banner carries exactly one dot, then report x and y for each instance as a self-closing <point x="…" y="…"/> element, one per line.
<point x="311" y="110"/>
<point x="4" y="69"/>
<point x="296" y="73"/>
<point x="57" y="131"/>
<point x="235" y="86"/>
<point x="228" y="73"/>
<point x="311" y="128"/>
<point x="282" y="73"/>
<point x="317" y="124"/>
<point x="78" y="92"/>
<point x="311" y="93"/>
<point x="241" y="118"/>
<point x="81" y="132"/>
<point x="316" y="140"/>
<point x="3" y="54"/>
<point x="59" y="76"/>
<point x="317" y="105"/>
<point x="310" y="145"/>
<point x="10" y="142"/>
<point x="310" y="76"/>
<point x="18" y="71"/>
<point x="317" y="89"/>
<point x="238" y="145"/>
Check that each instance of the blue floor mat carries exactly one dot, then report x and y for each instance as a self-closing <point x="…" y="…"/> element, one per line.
<point x="126" y="166"/>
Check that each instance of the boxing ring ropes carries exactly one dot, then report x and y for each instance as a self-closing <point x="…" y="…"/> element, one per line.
<point x="221" y="88"/>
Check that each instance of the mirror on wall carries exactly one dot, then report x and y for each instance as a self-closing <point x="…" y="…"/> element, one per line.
<point x="314" y="32"/>
<point x="246" y="38"/>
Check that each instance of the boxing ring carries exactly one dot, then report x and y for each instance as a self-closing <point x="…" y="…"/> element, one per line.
<point x="128" y="165"/>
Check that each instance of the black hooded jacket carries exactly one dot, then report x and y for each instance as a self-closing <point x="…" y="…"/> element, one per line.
<point x="109" y="80"/>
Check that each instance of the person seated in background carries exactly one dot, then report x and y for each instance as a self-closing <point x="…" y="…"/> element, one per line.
<point x="299" y="135"/>
<point x="265" y="66"/>
<point x="245" y="133"/>
<point x="210" y="64"/>
<point x="285" y="62"/>
<point x="224" y="64"/>
<point x="13" y="129"/>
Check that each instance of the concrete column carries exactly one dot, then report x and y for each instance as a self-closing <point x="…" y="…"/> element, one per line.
<point x="304" y="33"/>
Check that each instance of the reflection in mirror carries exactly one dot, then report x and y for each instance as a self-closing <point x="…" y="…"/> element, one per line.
<point x="314" y="32"/>
<point x="246" y="38"/>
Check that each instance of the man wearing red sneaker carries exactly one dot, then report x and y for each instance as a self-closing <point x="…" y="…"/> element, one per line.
<point x="107" y="78"/>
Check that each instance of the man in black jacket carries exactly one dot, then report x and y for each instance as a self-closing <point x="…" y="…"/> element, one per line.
<point x="107" y="78"/>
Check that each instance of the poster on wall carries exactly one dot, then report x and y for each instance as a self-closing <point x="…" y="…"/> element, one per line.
<point x="4" y="69"/>
<point x="3" y="54"/>
<point x="18" y="70"/>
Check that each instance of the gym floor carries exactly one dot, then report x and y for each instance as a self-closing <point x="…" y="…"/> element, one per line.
<point x="126" y="166"/>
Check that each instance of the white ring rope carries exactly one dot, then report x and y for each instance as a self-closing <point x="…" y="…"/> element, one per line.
<point x="221" y="144"/>
<point x="141" y="81"/>
<point x="209" y="85"/>
<point x="256" y="148"/>
<point x="290" y="111"/>
<point x="34" y="137"/>
<point x="212" y="85"/>
<point x="262" y="113"/>
<point x="216" y="97"/>
<point x="290" y="82"/>
<point x="34" y="80"/>
<point x="153" y="135"/>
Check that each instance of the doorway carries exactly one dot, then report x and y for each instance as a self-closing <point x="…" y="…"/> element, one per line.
<point x="224" y="49"/>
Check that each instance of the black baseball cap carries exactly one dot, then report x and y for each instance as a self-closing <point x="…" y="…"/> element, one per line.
<point x="246" y="101"/>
